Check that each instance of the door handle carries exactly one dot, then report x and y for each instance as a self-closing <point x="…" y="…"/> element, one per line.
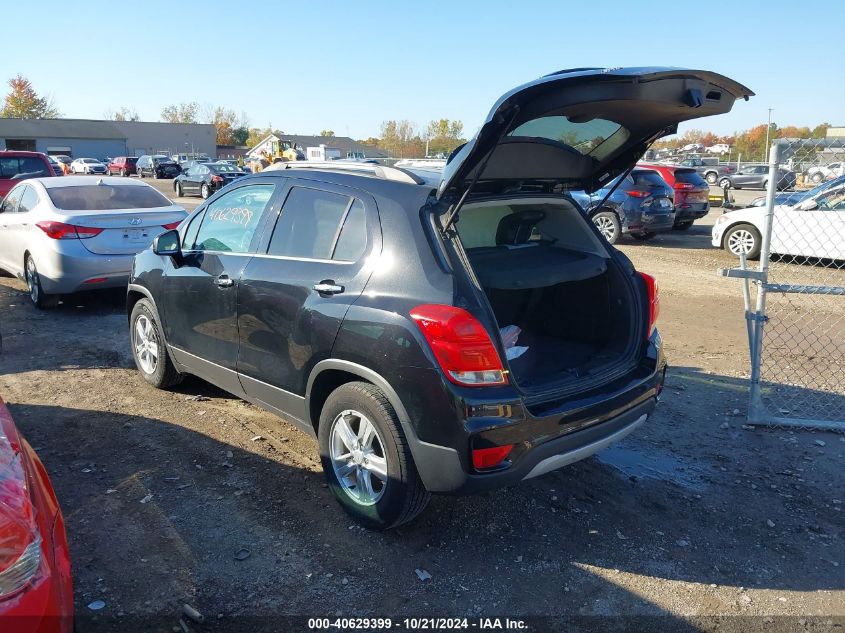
<point x="328" y="287"/>
<point x="224" y="281"/>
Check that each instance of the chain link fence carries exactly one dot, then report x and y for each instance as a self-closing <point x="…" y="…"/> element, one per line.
<point x="796" y="321"/>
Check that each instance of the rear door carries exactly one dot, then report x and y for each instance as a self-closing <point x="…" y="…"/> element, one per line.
<point x="200" y="289"/>
<point x="8" y="228"/>
<point x="296" y="291"/>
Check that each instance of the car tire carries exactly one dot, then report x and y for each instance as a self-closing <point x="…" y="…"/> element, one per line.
<point x="178" y="189"/>
<point x="725" y="183"/>
<point x="643" y="237"/>
<point x="149" y="349"/>
<point x="140" y="173"/>
<point x="205" y="191"/>
<point x="39" y="298"/>
<point x="683" y="226"/>
<point x="711" y="178"/>
<point x="378" y="495"/>
<point x="608" y="224"/>
<point x="743" y="234"/>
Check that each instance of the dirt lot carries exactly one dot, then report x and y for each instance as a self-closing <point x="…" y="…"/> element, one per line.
<point x="694" y="523"/>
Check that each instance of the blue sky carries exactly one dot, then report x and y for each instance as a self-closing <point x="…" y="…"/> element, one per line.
<point x="347" y="66"/>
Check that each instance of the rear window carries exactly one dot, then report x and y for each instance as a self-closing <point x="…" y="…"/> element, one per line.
<point x="106" y="197"/>
<point x="131" y="160"/>
<point x="598" y="137"/>
<point x="689" y="176"/>
<point x="647" y="178"/>
<point x="20" y="167"/>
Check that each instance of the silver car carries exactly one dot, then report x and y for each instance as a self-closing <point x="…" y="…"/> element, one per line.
<point x="63" y="235"/>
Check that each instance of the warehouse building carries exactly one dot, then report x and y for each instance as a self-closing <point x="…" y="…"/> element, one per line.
<point x="79" y="138"/>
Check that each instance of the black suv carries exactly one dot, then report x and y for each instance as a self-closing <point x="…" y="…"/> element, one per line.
<point x="156" y="166"/>
<point x="435" y="337"/>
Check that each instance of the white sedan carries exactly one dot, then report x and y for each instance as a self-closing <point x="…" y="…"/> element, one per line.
<point x="87" y="166"/>
<point x="811" y="228"/>
<point x="62" y="235"/>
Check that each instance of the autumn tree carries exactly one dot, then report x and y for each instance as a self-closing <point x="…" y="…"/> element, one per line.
<point x="401" y="139"/>
<point x="225" y="121"/>
<point x="23" y="102"/>
<point x="181" y="113"/>
<point x="444" y="135"/>
<point x="122" y="114"/>
<point x="241" y="135"/>
<point x="326" y="133"/>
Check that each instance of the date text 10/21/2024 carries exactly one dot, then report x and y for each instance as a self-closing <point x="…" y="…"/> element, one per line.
<point x="417" y="624"/>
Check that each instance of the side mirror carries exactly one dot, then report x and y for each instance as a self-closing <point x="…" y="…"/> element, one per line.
<point x="167" y="243"/>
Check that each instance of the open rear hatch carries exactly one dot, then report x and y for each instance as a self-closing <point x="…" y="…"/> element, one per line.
<point x="581" y="311"/>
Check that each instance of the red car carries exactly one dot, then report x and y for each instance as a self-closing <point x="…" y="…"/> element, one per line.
<point x="15" y="166"/>
<point x="692" y="193"/>
<point x="36" y="592"/>
<point x="123" y="165"/>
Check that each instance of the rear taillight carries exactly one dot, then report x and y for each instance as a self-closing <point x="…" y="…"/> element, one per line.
<point x="653" y="301"/>
<point x="217" y="179"/>
<point x="20" y="542"/>
<point x="172" y="225"/>
<point x="462" y="346"/>
<point x="62" y="231"/>
<point x="684" y="185"/>
<point x="483" y="458"/>
<point x="634" y="193"/>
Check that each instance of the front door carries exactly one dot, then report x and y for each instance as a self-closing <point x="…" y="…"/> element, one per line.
<point x="294" y="293"/>
<point x="201" y="287"/>
<point x="9" y="229"/>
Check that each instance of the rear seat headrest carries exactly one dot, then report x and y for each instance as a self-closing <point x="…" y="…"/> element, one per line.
<point x="516" y="228"/>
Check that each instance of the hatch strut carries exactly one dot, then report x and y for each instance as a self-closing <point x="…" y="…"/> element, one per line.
<point x="455" y="208"/>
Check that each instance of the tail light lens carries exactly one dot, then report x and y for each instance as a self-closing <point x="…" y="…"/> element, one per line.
<point x="462" y="346"/>
<point x="653" y="301"/>
<point x="483" y="458"/>
<point x="679" y="186"/>
<point x="172" y="225"/>
<point x="62" y="231"/>
<point x="634" y="193"/>
<point x="217" y="179"/>
<point x="20" y="541"/>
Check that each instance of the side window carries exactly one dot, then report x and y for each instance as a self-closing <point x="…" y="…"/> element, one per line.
<point x="229" y="222"/>
<point x="308" y="224"/>
<point x="353" y="234"/>
<point x="191" y="231"/>
<point x="11" y="200"/>
<point x="28" y="200"/>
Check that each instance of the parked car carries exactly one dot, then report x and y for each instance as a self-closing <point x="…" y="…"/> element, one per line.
<point x="757" y="177"/>
<point x="36" y="587"/>
<point x="692" y="193"/>
<point x="790" y="199"/>
<point x="156" y="166"/>
<point x="693" y="147"/>
<point x="17" y="165"/>
<point x="62" y="235"/>
<point x="368" y="315"/>
<point x="641" y="206"/>
<point x="87" y="166"/>
<point x="820" y="173"/>
<point x="122" y="166"/>
<point x="710" y="171"/>
<point x="58" y="170"/>
<point x="718" y="148"/>
<point x="203" y="179"/>
<point x="807" y="229"/>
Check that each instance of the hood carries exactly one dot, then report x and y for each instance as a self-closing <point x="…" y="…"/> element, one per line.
<point x="580" y="128"/>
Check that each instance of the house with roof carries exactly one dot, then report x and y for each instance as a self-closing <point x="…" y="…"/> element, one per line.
<point x="347" y="146"/>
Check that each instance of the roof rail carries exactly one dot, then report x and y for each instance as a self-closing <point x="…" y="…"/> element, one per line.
<point x="379" y="171"/>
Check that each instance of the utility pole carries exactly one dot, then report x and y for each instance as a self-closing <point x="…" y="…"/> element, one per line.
<point x="768" y="129"/>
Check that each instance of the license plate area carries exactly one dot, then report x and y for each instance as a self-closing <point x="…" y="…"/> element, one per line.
<point x="135" y="235"/>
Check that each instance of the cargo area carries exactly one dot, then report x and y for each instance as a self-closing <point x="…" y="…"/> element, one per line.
<point x="544" y="271"/>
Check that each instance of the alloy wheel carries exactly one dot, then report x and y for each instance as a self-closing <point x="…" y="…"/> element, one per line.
<point x="605" y="227"/>
<point x="32" y="280"/>
<point x="741" y="241"/>
<point x="358" y="457"/>
<point x="146" y="344"/>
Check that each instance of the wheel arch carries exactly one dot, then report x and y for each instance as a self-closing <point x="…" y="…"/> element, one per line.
<point x="134" y="294"/>
<point x="733" y="225"/>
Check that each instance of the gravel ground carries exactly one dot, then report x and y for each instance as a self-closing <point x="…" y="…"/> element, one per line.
<point x="192" y="496"/>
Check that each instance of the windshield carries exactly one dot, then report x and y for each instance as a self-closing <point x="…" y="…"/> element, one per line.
<point x="106" y="197"/>
<point x="158" y="160"/>
<point x="19" y="167"/>
<point x="690" y="176"/>
<point x="89" y="160"/>
<point x="597" y="138"/>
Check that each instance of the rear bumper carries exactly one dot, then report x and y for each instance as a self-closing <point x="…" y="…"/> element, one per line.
<point x="65" y="266"/>
<point x="694" y="212"/>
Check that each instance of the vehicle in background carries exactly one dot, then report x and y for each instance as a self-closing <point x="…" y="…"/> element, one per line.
<point x="820" y="173"/>
<point x="641" y="206"/>
<point x="718" y="148"/>
<point x="36" y="586"/>
<point x="58" y="169"/>
<point x="757" y="177"/>
<point x="122" y="166"/>
<point x="404" y="375"/>
<point x="62" y="235"/>
<point x="803" y="230"/>
<point x="156" y="166"/>
<point x="794" y="197"/>
<point x="87" y="166"/>
<point x="183" y="158"/>
<point x="692" y="193"/>
<point x="709" y="169"/>
<point x="64" y="162"/>
<point x="693" y="147"/>
<point x="322" y="153"/>
<point x="18" y="165"/>
<point x="424" y="163"/>
<point x="356" y="155"/>
<point x="203" y="179"/>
